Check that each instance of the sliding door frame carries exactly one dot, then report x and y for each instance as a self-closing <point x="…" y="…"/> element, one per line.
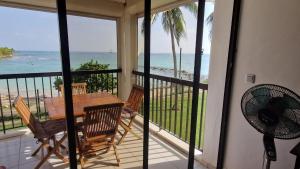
<point x="196" y="82"/>
<point x="67" y="80"/>
<point x="147" y="42"/>
<point x="228" y="81"/>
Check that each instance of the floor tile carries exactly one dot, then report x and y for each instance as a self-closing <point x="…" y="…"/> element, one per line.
<point x="16" y="154"/>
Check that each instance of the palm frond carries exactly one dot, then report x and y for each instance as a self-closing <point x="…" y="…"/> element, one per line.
<point x="178" y="23"/>
<point x="166" y="21"/>
<point x="192" y="7"/>
<point x="153" y="19"/>
<point x="209" y="21"/>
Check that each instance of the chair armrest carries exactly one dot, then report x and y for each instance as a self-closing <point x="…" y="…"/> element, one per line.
<point x="126" y="104"/>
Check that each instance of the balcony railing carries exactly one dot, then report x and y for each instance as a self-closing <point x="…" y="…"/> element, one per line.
<point x="35" y="87"/>
<point x="170" y="102"/>
<point x="170" y="105"/>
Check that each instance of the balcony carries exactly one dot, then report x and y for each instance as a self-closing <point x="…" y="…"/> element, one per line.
<point x="16" y="153"/>
<point x="170" y="108"/>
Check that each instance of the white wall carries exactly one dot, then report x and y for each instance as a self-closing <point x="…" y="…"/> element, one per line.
<point x="219" y="49"/>
<point x="269" y="47"/>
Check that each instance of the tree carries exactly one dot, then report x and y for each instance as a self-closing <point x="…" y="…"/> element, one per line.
<point x="6" y="52"/>
<point x="173" y="23"/>
<point x="95" y="82"/>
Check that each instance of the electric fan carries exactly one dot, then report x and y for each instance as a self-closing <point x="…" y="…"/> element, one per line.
<point x="275" y="112"/>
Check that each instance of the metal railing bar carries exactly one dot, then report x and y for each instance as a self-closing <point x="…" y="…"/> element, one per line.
<point x="152" y="101"/>
<point x="10" y="106"/>
<point x="188" y="112"/>
<point x="176" y="108"/>
<point x="156" y="102"/>
<point x="50" y="81"/>
<point x="181" y="110"/>
<point x="201" y="117"/>
<point x="173" y="80"/>
<point x="36" y="101"/>
<point x="44" y="74"/>
<point x="170" y="106"/>
<point x="27" y="95"/>
<point x="161" y="103"/>
<point x="166" y="101"/>
<point x="43" y="89"/>
<point x="2" y="117"/>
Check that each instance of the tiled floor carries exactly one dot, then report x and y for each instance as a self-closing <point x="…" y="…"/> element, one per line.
<point x="15" y="153"/>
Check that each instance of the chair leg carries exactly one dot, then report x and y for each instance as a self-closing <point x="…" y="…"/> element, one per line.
<point x="127" y="128"/>
<point x="136" y="135"/>
<point x="122" y="138"/>
<point x="44" y="159"/>
<point x="63" y="146"/>
<point x="59" y="145"/>
<point x="51" y="150"/>
<point x="37" y="150"/>
<point x="116" y="154"/>
<point x="81" y="159"/>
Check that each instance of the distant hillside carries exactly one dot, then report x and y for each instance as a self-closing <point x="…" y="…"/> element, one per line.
<point x="6" y="52"/>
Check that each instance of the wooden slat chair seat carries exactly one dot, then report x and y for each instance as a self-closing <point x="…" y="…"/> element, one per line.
<point x="130" y="110"/>
<point x="77" y="88"/>
<point x="42" y="131"/>
<point x="98" y="130"/>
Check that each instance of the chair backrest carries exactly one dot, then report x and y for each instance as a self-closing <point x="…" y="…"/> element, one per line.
<point x="77" y="88"/>
<point x="27" y="117"/>
<point x="135" y="98"/>
<point x="101" y="120"/>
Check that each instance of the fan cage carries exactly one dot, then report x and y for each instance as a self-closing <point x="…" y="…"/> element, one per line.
<point x="281" y="130"/>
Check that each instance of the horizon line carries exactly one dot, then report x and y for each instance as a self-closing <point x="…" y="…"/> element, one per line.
<point x="97" y="51"/>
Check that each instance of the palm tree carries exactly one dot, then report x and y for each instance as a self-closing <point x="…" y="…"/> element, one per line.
<point x="209" y="21"/>
<point x="173" y="24"/>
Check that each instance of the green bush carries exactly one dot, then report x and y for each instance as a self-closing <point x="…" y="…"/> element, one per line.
<point x="58" y="81"/>
<point x="6" y="52"/>
<point x="95" y="82"/>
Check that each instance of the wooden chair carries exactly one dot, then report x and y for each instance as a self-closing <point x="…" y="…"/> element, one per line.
<point x="44" y="132"/>
<point x="77" y="88"/>
<point x="130" y="110"/>
<point x="98" y="128"/>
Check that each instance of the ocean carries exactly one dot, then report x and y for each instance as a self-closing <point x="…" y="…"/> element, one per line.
<point x="49" y="61"/>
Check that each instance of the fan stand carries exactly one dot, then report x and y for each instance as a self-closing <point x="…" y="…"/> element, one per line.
<point x="269" y="149"/>
<point x="296" y="151"/>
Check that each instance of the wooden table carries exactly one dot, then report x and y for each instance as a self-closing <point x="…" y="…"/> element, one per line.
<point x="56" y="105"/>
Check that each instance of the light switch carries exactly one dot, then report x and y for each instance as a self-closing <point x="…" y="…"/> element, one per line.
<point x="250" y="78"/>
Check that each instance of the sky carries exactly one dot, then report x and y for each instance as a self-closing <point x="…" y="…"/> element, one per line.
<point x="161" y="41"/>
<point x="38" y="31"/>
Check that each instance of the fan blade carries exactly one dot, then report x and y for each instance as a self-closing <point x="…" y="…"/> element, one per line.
<point x="261" y="96"/>
<point x="288" y="127"/>
<point x="291" y="102"/>
<point x="263" y="91"/>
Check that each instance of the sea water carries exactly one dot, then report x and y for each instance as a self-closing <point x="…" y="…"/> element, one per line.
<point x="50" y="61"/>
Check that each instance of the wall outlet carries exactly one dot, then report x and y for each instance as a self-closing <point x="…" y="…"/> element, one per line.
<point x="250" y="78"/>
